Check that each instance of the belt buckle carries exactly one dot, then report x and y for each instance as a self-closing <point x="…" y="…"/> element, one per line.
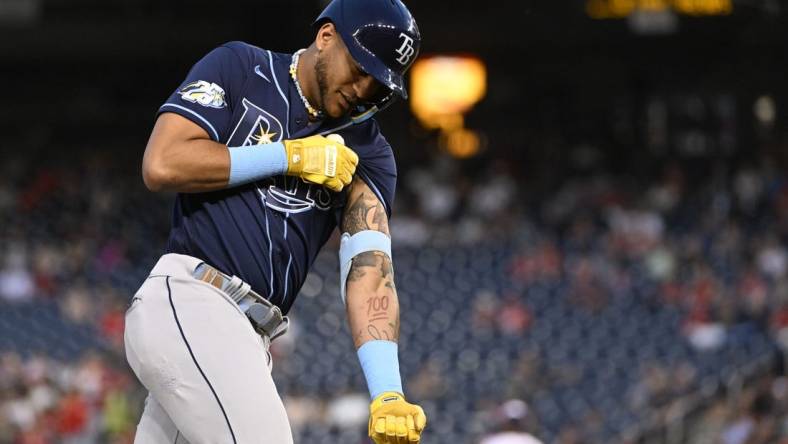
<point x="266" y="319"/>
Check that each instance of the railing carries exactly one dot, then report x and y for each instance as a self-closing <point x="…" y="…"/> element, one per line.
<point x="674" y="426"/>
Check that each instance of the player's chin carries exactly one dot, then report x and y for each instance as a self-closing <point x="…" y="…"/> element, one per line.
<point x="337" y="109"/>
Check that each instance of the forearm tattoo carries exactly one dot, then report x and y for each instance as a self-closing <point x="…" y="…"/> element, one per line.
<point x="365" y="212"/>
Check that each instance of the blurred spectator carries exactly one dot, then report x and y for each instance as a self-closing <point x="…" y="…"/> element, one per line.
<point x="428" y="382"/>
<point x="409" y="230"/>
<point x="511" y="417"/>
<point x="569" y="434"/>
<point x="485" y="311"/>
<point x="493" y="195"/>
<point x="513" y="317"/>
<point x="72" y="418"/>
<point x="77" y="304"/>
<point x="661" y="264"/>
<point x="16" y="281"/>
<point x="748" y="186"/>
<point x="772" y="258"/>
<point x="529" y="375"/>
<point x="653" y="389"/>
<point x="19" y="409"/>
<point x="637" y="230"/>
<point x="348" y="411"/>
<point x="540" y="262"/>
<point x="302" y="411"/>
<point x="587" y="287"/>
<point x="112" y="322"/>
<point x="46" y="401"/>
<point x="754" y="295"/>
<point x="441" y="180"/>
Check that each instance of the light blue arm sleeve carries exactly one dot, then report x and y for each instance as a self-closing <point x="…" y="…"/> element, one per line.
<point x="380" y="363"/>
<point x="254" y="162"/>
<point x="352" y="246"/>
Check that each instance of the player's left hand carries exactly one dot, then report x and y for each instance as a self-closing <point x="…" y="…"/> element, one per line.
<point x="392" y="420"/>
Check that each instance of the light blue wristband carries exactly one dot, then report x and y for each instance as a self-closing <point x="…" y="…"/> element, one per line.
<point x="381" y="367"/>
<point x="254" y="162"/>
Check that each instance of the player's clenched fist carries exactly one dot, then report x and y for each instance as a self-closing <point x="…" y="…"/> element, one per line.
<point x="322" y="160"/>
<point x="392" y="420"/>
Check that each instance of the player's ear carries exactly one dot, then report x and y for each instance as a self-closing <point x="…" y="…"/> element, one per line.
<point x="326" y="35"/>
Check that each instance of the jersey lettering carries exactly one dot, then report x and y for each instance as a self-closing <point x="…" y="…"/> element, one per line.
<point x="284" y="194"/>
<point x="292" y="195"/>
<point x="255" y="127"/>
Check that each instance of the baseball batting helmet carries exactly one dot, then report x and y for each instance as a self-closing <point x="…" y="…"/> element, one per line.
<point x="381" y="35"/>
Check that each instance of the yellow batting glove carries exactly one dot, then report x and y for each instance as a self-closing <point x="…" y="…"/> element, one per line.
<point x="321" y="160"/>
<point x="392" y="420"/>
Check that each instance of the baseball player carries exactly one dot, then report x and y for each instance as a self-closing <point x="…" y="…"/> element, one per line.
<point x="269" y="153"/>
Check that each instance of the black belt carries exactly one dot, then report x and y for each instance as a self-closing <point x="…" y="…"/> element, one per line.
<point x="266" y="318"/>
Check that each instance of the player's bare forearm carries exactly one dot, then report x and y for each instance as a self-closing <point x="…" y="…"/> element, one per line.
<point x="181" y="157"/>
<point x="372" y="304"/>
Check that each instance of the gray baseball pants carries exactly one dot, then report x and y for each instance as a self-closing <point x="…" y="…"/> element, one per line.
<point x="208" y="373"/>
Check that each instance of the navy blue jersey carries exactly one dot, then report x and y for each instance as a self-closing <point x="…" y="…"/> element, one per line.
<point x="269" y="232"/>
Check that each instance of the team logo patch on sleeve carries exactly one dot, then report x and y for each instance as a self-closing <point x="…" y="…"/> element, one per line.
<point x="204" y="93"/>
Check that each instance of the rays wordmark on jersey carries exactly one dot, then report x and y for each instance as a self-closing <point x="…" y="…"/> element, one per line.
<point x="291" y="195"/>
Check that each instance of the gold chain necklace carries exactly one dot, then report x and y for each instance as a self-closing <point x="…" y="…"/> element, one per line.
<point x="315" y="113"/>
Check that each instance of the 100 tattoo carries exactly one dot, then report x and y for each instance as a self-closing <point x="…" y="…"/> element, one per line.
<point x="377" y="305"/>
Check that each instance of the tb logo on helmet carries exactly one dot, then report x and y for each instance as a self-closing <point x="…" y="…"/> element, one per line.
<point x="405" y="51"/>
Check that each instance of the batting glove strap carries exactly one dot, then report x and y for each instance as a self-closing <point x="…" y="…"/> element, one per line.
<point x="392" y="420"/>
